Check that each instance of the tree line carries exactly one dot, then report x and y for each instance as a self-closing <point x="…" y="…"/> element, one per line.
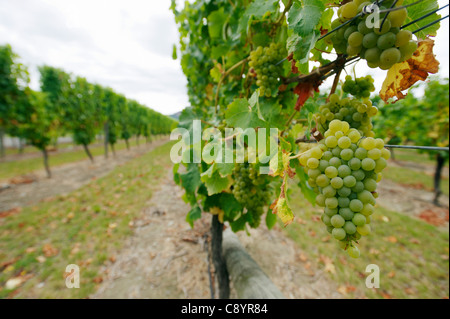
<point x="68" y="104"/>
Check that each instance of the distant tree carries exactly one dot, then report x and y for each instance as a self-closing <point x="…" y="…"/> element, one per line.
<point x="421" y="121"/>
<point x="13" y="78"/>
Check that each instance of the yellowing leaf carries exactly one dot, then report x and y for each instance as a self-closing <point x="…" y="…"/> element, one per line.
<point x="217" y="211"/>
<point x="403" y="75"/>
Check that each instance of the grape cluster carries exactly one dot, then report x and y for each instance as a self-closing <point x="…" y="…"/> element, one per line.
<point x="359" y="87"/>
<point x="380" y="47"/>
<point x="355" y="112"/>
<point x="251" y="191"/>
<point x="264" y="63"/>
<point x="344" y="170"/>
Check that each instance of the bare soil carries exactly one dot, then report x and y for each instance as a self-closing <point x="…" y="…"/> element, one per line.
<point x="65" y="178"/>
<point x="165" y="258"/>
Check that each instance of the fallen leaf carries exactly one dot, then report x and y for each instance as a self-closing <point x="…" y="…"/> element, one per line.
<point x="49" y="250"/>
<point x="315" y="218"/>
<point x="414" y="241"/>
<point x="112" y="225"/>
<point x="433" y="217"/>
<point x="391" y="274"/>
<point x="326" y="239"/>
<point x="41" y="259"/>
<point x="98" y="280"/>
<point x="391" y="239"/>
<point x="344" y="290"/>
<point x="312" y="233"/>
<point x="444" y="257"/>
<point x="302" y="257"/>
<point x="385" y="295"/>
<point x="10" y="212"/>
<point x="409" y="291"/>
<point x="329" y="266"/>
<point x="403" y="75"/>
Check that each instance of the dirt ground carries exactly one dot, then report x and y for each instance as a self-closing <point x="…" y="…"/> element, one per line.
<point x="167" y="259"/>
<point x="65" y="178"/>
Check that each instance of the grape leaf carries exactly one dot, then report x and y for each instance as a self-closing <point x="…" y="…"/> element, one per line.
<point x="403" y="75"/>
<point x="213" y="181"/>
<point x="194" y="214"/>
<point x="419" y="10"/>
<point x="301" y="47"/>
<point x="216" y="21"/>
<point x="191" y="179"/>
<point x="304" y="19"/>
<point x="239" y="114"/>
<point x="271" y="219"/>
<point x="257" y="9"/>
<point x="305" y="90"/>
<point x="283" y="211"/>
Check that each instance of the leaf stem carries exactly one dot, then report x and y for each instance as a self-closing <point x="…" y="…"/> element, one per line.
<point x="224" y="75"/>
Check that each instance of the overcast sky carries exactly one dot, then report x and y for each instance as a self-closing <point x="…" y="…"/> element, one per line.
<point x="126" y="45"/>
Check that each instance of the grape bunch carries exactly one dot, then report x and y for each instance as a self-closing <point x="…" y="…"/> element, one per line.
<point x="251" y="191"/>
<point x="264" y="63"/>
<point x="344" y="170"/>
<point x="355" y="112"/>
<point x="359" y="87"/>
<point x="380" y="47"/>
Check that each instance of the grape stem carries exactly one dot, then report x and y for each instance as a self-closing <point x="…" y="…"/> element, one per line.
<point x="288" y="122"/>
<point x="224" y="75"/>
<point x="335" y="83"/>
<point x="286" y="9"/>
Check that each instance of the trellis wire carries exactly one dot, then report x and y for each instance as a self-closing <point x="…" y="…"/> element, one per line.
<point x="385" y="17"/>
<point x="423" y="17"/>
<point x="427" y="148"/>
<point x="430" y="24"/>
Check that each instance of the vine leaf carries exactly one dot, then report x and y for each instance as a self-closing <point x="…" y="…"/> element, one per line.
<point x="303" y="19"/>
<point x="257" y="9"/>
<point x="281" y="207"/>
<point x="301" y="47"/>
<point x="419" y="10"/>
<point x="213" y="181"/>
<point x="191" y="179"/>
<point x="305" y="90"/>
<point x="194" y="214"/>
<point x="240" y="114"/>
<point x="403" y="75"/>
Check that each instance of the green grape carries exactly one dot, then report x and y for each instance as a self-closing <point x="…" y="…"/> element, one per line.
<point x="368" y="164"/>
<point x="336" y="182"/>
<point x="337" y="221"/>
<point x="349" y="10"/>
<point x="346" y="213"/>
<point x="335" y="161"/>
<point x="355" y="39"/>
<point x="314" y="163"/>
<point x="343" y="202"/>
<point x="330" y="211"/>
<point x="331" y="171"/>
<point x="370" y="40"/>
<point x="353" y="252"/>
<point x="338" y="233"/>
<point x="354" y="164"/>
<point x="386" y="41"/>
<point x="370" y="185"/>
<point x="363" y="230"/>
<point x="349" y="31"/>
<point x="408" y="50"/>
<point x="402" y="38"/>
<point x="397" y="17"/>
<point x="347" y="154"/>
<point x="349" y="228"/>
<point x="390" y="56"/>
<point x="385" y="28"/>
<point x="344" y="191"/>
<point x="349" y="181"/>
<point x="362" y="27"/>
<point x="367" y="210"/>
<point x="352" y="51"/>
<point x="356" y="205"/>
<point x="331" y="202"/>
<point x="344" y="170"/>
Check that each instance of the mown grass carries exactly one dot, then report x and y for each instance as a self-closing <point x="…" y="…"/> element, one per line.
<point x="412" y="256"/>
<point x="25" y="166"/>
<point x="85" y="228"/>
<point x="415" y="157"/>
<point x="410" y="177"/>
